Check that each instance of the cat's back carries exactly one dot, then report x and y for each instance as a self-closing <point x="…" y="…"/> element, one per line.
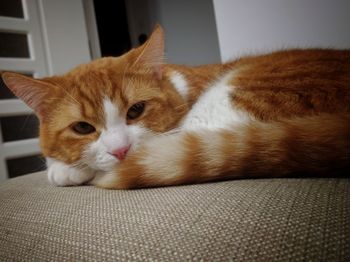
<point x="292" y="83"/>
<point x="295" y="68"/>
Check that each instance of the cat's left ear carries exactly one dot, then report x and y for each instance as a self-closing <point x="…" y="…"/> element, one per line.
<point x="35" y="93"/>
<point x="151" y="53"/>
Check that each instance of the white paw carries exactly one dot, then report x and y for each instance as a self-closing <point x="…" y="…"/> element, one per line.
<point x="61" y="174"/>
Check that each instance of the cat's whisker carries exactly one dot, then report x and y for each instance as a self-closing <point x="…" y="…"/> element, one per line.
<point x="70" y="96"/>
<point x="42" y="159"/>
<point x="144" y="50"/>
<point x="124" y="73"/>
<point x="80" y="166"/>
<point x="184" y="106"/>
<point x="168" y="133"/>
<point x="172" y="132"/>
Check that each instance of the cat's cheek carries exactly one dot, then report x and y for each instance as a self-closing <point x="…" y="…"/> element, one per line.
<point x="61" y="174"/>
<point x="138" y="135"/>
<point x="97" y="157"/>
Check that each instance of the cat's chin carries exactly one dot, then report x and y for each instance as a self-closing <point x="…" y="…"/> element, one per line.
<point x="61" y="174"/>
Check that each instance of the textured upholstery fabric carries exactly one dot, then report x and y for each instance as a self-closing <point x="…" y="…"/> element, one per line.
<point x="242" y="220"/>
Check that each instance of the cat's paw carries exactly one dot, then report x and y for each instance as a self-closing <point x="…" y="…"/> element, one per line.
<point x="61" y="174"/>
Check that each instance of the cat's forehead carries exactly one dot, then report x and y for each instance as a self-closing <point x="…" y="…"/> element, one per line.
<point x="110" y="72"/>
<point x="90" y="86"/>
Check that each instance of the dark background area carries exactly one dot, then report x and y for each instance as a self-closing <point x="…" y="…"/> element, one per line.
<point x="112" y="27"/>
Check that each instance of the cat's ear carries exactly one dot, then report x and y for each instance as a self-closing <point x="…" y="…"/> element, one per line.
<point x="151" y="53"/>
<point x="35" y="93"/>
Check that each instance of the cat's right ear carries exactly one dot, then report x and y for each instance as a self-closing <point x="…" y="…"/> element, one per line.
<point x="151" y="53"/>
<point x="34" y="93"/>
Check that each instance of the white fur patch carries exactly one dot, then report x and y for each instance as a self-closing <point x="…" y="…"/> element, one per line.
<point x="212" y="143"/>
<point x="214" y="108"/>
<point x="111" y="113"/>
<point x="61" y="174"/>
<point x="113" y="136"/>
<point x="180" y="83"/>
<point x="164" y="156"/>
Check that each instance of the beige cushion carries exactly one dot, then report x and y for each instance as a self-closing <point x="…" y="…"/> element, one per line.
<point x="242" y="220"/>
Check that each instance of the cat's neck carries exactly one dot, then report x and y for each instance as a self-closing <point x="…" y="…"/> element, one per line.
<point x="190" y="82"/>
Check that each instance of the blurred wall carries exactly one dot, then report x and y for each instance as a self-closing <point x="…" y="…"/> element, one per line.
<point x="191" y="35"/>
<point x="190" y="29"/>
<point x="250" y="26"/>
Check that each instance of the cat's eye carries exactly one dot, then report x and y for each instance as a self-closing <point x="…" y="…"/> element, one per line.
<point x="135" y="111"/>
<point x="83" y="128"/>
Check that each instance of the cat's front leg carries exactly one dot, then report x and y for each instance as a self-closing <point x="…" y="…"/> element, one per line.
<point x="62" y="174"/>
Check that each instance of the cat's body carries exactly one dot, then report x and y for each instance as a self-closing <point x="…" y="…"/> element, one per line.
<point x="134" y="122"/>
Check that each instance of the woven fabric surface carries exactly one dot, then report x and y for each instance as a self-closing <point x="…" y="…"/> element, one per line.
<point x="242" y="220"/>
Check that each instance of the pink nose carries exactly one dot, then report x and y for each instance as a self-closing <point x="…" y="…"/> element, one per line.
<point x="121" y="152"/>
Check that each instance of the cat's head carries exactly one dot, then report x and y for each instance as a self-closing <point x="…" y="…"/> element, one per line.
<point x="96" y="113"/>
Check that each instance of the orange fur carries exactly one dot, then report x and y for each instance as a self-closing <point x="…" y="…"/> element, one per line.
<point x="310" y="146"/>
<point x="298" y="100"/>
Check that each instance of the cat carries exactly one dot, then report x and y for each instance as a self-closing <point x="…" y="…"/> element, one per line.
<point x="134" y="121"/>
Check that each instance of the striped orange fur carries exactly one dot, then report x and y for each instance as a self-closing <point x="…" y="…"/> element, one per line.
<point x="294" y="147"/>
<point x="275" y="115"/>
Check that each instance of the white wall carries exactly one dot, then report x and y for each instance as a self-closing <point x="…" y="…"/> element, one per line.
<point x="250" y="26"/>
<point x="65" y="33"/>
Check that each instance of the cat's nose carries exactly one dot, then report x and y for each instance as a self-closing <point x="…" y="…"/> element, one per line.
<point x="120" y="153"/>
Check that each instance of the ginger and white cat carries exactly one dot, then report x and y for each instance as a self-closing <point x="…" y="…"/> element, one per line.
<point x="133" y="121"/>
